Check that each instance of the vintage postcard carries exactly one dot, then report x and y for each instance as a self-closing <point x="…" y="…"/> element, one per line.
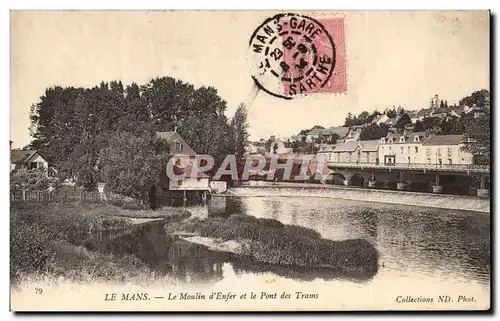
<point x="250" y="161"/>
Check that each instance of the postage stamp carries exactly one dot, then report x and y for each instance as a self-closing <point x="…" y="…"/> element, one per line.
<point x="294" y="54"/>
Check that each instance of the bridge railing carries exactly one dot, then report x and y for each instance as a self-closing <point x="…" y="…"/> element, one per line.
<point x="411" y="166"/>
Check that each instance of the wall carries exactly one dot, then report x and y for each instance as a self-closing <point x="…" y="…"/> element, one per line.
<point x="189" y="184"/>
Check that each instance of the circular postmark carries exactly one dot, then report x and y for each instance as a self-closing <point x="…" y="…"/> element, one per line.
<point x="291" y="54"/>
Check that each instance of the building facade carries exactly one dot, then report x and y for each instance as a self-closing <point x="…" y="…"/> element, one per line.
<point x="403" y="148"/>
<point x="445" y="149"/>
<point x="365" y="152"/>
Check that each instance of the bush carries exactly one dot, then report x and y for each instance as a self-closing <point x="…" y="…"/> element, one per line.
<point x="276" y="243"/>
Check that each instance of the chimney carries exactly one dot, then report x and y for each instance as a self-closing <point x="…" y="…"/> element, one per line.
<point x="175" y="129"/>
<point x="272" y="138"/>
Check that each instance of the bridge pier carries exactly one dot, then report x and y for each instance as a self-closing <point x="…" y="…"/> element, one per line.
<point x="436" y="188"/>
<point x="482" y="191"/>
<point x="401" y="185"/>
<point x="372" y="182"/>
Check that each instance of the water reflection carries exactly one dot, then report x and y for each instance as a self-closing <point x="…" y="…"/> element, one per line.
<point x="415" y="243"/>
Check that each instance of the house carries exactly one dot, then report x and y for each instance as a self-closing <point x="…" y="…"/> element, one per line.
<point x="474" y="111"/>
<point x="440" y="112"/>
<point x="401" y="148"/>
<point x="326" y="151"/>
<point x="29" y="159"/>
<point x="456" y="111"/>
<point x="354" y="133"/>
<point x="412" y="114"/>
<point x="423" y="113"/>
<point x="365" y="151"/>
<point x="198" y="182"/>
<point x="380" y="119"/>
<point x="327" y="133"/>
<point x="176" y="143"/>
<point x="445" y="149"/>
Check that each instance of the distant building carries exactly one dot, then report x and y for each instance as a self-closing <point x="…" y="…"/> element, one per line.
<point x="380" y="119"/>
<point x="327" y="133"/>
<point x="404" y="148"/>
<point x="423" y="113"/>
<point x="355" y="152"/>
<point x="29" y="159"/>
<point x="445" y="149"/>
<point x="440" y="112"/>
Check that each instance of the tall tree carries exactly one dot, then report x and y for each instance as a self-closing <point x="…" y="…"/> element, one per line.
<point x="239" y="129"/>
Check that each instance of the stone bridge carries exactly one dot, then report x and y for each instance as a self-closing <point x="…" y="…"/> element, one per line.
<point x="403" y="175"/>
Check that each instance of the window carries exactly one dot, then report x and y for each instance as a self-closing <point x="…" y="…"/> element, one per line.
<point x="409" y="149"/>
<point x="402" y="139"/>
<point x="439" y="151"/>
<point x="178" y="147"/>
<point x="428" y="160"/>
<point x="390" y="148"/>
<point x="450" y="161"/>
<point x="428" y="152"/>
<point x="402" y="150"/>
<point x="440" y="161"/>
<point x="449" y="151"/>
<point x="382" y="140"/>
<point x="416" y="139"/>
<point x="416" y="149"/>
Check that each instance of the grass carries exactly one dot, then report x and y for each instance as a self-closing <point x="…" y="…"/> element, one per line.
<point x="270" y="241"/>
<point x="53" y="240"/>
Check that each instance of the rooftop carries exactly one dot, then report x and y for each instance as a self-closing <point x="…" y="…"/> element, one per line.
<point x="436" y="140"/>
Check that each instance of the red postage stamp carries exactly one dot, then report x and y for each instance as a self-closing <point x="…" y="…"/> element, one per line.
<point x="298" y="55"/>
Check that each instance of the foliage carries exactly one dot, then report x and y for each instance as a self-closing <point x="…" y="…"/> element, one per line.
<point x="480" y="98"/>
<point x="239" y="130"/>
<point x="268" y="240"/>
<point x="34" y="179"/>
<point x="477" y="137"/>
<point x="71" y="125"/>
<point x="403" y="120"/>
<point x="374" y="131"/>
<point x="50" y="239"/>
<point x="133" y="161"/>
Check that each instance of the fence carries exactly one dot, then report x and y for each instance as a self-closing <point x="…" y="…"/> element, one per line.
<point x="65" y="196"/>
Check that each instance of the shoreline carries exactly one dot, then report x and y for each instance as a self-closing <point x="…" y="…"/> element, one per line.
<point x="444" y="201"/>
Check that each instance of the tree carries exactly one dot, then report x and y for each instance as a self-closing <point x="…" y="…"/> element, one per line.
<point x="391" y="113"/>
<point x="419" y="127"/>
<point x="239" y="130"/>
<point x="133" y="162"/>
<point x="402" y="121"/>
<point x="374" y="131"/>
<point x="480" y="98"/>
<point x="34" y="179"/>
<point x="477" y="138"/>
<point x="364" y="118"/>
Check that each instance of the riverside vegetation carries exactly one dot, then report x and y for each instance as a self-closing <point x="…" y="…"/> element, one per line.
<point x="61" y="241"/>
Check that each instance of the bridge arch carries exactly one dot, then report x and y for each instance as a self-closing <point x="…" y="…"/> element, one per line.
<point x="356" y="180"/>
<point x="338" y="178"/>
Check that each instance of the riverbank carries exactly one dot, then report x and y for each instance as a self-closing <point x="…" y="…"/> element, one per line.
<point x="267" y="189"/>
<point x="61" y="241"/>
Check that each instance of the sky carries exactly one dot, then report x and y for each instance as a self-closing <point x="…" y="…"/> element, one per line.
<point x="392" y="58"/>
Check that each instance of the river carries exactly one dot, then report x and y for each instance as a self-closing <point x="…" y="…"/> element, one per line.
<point x="442" y="251"/>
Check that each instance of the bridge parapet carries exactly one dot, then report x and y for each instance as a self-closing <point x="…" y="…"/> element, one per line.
<point x="477" y="169"/>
